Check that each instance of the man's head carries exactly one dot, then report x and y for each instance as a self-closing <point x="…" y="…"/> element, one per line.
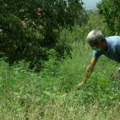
<point x="96" y="39"/>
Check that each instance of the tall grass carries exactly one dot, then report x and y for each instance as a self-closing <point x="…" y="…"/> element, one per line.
<point x="26" y="95"/>
<point x="50" y="94"/>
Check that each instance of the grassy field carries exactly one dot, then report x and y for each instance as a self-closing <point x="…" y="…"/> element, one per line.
<point x="50" y="94"/>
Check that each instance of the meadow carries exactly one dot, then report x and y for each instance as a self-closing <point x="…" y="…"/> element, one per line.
<point x="51" y="94"/>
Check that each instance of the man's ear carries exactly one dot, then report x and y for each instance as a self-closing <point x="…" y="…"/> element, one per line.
<point x="100" y="42"/>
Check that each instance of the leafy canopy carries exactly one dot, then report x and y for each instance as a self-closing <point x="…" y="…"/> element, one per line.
<point x="110" y="9"/>
<point x="29" y="29"/>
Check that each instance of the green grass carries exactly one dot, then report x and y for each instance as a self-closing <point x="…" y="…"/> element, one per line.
<point x="50" y="94"/>
<point x="26" y="95"/>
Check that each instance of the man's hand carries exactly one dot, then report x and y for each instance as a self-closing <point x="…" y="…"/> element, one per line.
<point x="88" y="72"/>
<point x="86" y="77"/>
<point x="80" y="85"/>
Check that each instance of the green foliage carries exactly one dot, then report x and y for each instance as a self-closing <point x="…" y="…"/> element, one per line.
<point x="50" y="94"/>
<point x="111" y="12"/>
<point x="30" y="29"/>
<point x="28" y="95"/>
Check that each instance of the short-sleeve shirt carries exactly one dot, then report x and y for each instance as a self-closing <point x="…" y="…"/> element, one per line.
<point x="113" y="49"/>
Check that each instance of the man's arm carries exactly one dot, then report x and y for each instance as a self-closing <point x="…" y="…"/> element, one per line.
<point x="90" y="68"/>
<point x="88" y="72"/>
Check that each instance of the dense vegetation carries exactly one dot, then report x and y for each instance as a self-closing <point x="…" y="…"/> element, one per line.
<point x="30" y="29"/>
<point x="111" y="11"/>
<point x="51" y="95"/>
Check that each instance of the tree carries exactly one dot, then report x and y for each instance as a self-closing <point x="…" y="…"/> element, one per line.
<point x="110" y="9"/>
<point x="30" y="28"/>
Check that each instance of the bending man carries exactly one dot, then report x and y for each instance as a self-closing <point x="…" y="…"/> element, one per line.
<point x="108" y="46"/>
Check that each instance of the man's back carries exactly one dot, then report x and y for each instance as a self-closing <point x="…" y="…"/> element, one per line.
<point x="113" y="49"/>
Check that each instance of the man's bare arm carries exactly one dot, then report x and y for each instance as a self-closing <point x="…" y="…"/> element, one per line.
<point x="90" y="69"/>
<point x="88" y="72"/>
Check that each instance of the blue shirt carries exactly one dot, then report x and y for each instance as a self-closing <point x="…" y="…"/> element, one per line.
<point x="113" y="49"/>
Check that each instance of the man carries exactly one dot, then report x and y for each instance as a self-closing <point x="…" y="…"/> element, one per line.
<point x="108" y="46"/>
